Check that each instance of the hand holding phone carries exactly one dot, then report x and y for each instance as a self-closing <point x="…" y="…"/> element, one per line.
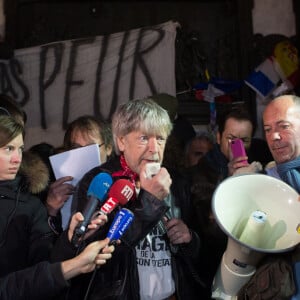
<point x="238" y="149"/>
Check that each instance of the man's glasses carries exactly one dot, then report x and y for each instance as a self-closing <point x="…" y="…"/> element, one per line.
<point x="75" y="146"/>
<point x="4" y="111"/>
<point x="245" y="140"/>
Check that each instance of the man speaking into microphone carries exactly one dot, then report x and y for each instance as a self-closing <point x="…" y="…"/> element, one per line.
<point x="150" y="263"/>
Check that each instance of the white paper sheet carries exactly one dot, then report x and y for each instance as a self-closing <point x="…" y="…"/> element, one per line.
<point x="74" y="163"/>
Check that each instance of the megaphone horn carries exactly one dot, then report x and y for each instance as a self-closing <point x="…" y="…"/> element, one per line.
<point x="259" y="214"/>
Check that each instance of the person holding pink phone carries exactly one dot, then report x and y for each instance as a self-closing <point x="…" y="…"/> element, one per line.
<point x="239" y="159"/>
<point x="219" y="163"/>
<point x="238" y="150"/>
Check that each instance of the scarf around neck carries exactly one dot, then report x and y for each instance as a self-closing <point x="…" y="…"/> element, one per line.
<point x="289" y="172"/>
<point x="126" y="171"/>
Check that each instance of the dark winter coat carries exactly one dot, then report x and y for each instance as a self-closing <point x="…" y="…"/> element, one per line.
<point x="25" y="236"/>
<point x="41" y="281"/>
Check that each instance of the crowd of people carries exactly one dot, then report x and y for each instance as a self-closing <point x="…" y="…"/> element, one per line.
<point x="173" y="247"/>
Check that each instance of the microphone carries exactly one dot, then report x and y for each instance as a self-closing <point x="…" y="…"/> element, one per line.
<point x="117" y="228"/>
<point x="120" y="193"/>
<point x="96" y="193"/>
<point x="120" y="224"/>
<point x="152" y="169"/>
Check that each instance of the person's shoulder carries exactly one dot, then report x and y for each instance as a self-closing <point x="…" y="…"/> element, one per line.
<point x="113" y="164"/>
<point x="33" y="200"/>
<point x="107" y="167"/>
<point x="31" y="204"/>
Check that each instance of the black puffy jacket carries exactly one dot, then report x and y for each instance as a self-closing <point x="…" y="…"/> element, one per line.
<point x="25" y="237"/>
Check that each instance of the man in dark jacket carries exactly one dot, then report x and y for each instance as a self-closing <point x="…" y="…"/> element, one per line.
<point x="155" y="259"/>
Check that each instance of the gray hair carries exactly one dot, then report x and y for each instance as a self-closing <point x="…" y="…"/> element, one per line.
<point x="140" y="115"/>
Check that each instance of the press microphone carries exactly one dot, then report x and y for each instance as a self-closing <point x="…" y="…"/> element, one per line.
<point x="119" y="225"/>
<point x="96" y="193"/>
<point x="119" y="194"/>
<point x="117" y="228"/>
<point x="152" y="169"/>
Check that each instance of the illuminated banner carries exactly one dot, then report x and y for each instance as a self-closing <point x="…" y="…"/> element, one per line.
<point x="58" y="82"/>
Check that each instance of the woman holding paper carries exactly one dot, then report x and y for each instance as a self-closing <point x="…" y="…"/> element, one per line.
<point x="84" y="131"/>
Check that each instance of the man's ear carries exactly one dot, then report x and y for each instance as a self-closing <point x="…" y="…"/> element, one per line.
<point x="121" y="143"/>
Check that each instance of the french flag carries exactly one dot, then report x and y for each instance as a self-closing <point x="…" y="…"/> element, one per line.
<point x="264" y="79"/>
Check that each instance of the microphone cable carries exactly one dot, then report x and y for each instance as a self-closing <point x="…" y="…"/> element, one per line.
<point x="181" y="247"/>
<point x="79" y="248"/>
<point x="90" y="284"/>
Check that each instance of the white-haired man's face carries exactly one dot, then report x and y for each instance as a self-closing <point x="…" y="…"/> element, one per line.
<point x="139" y="149"/>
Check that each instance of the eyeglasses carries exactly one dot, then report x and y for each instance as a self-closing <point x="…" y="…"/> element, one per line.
<point x="76" y="146"/>
<point x="245" y="140"/>
<point x="4" y="111"/>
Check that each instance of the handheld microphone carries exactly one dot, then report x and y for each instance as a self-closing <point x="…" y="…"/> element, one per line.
<point x="117" y="228"/>
<point x="120" y="193"/>
<point x="96" y="193"/>
<point x="120" y="224"/>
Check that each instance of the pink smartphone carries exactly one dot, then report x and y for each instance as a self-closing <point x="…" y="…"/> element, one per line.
<point x="238" y="149"/>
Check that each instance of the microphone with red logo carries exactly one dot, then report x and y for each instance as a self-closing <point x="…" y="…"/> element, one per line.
<point x="120" y="193"/>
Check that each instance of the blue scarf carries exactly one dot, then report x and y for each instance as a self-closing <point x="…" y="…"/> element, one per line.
<point x="289" y="172"/>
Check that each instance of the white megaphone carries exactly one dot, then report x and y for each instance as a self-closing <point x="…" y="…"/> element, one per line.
<point x="260" y="214"/>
